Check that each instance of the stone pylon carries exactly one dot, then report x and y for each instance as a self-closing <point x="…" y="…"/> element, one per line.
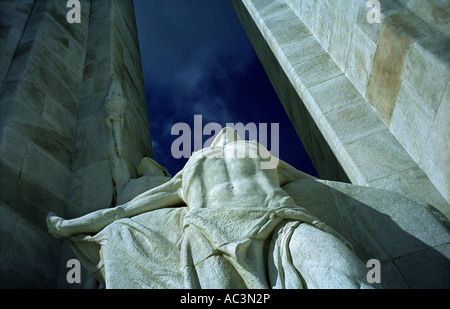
<point x="55" y="78"/>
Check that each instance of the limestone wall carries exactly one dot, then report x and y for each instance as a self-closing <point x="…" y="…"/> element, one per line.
<point x="377" y="92"/>
<point x="55" y="77"/>
<point x="401" y="66"/>
<point x="112" y="54"/>
<point x="39" y="103"/>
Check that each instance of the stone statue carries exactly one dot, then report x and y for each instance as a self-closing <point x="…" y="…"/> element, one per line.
<point x="221" y="222"/>
<point x="115" y="108"/>
<point x="151" y="174"/>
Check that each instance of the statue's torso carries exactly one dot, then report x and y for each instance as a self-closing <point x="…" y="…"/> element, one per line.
<point x="211" y="181"/>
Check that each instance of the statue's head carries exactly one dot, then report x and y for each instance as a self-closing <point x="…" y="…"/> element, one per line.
<point x="227" y="135"/>
<point x="149" y="167"/>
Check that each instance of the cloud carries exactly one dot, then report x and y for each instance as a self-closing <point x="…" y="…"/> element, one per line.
<point x="184" y="38"/>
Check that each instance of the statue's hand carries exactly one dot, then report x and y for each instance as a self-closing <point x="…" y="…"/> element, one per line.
<point x="54" y="225"/>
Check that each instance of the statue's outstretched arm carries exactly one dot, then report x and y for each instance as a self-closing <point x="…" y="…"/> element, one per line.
<point x="165" y="195"/>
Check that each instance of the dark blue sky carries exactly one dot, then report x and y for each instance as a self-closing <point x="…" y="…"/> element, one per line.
<point x="197" y="60"/>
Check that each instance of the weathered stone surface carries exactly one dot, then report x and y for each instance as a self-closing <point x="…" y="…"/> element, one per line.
<point x="324" y="22"/>
<point x="91" y="148"/>
<point x="359" y="60"/>
<point x="97" y="192"/>
<point x="362" y="64"/>
<point x="341" y="33"/>
<point x="414" y="184"/>
<point x="8" y="221"/>
<point x="350" y="123"/>
<point x="309" y="8"/>
<point x="38" y="163"/>
<point x="13" y="19"/>
<point x="315" y="71"/>
<point x="409" y="111"/>
<point x="428" y="60"/>
<point x="12" y="147"/>
<point x="368" y="160"/>
<point x="54" y="80"/>
<point x="434" y="12"/>
<point x="436" y="155"/>
<point x="392" y="277"/>
<point x="426" y="262"/>
<point x="29" y="200"/>
<point x="59" y="118"/>
<point x="32" y="259"/>
<point x="74" y="196"/>
<point x="393" y="54"/>
<point x="334" y="94"/>
<point x="400" y="236"/>
<point x="29" y="123"/>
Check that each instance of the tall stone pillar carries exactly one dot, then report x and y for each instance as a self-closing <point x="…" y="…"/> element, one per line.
<point x="55" y="80"/>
